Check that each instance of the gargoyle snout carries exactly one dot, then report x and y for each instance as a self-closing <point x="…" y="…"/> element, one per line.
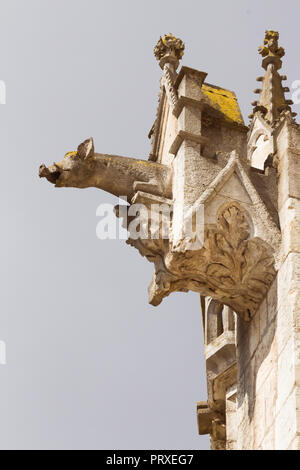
<point x="52" y="173"/>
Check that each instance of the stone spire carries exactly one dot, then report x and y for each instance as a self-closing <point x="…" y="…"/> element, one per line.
<point x="271" y="102"/>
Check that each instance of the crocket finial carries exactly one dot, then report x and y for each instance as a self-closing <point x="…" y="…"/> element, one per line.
<point x="270" y="51"/>
<point x="169" y="49"/>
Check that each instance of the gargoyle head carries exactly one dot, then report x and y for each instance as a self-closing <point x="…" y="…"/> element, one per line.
<point x="73" y="170"/>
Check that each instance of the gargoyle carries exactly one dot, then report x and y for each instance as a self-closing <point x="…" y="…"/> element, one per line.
<point x="117" y="175"/>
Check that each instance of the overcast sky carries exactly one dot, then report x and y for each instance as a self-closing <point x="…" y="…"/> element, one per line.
<point x="90" y="365"/>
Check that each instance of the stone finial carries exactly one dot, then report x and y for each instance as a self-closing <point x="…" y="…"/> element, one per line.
<point x="270" y="51"/>
<point x="169" y="49"/>
<point x="272" y="102"/>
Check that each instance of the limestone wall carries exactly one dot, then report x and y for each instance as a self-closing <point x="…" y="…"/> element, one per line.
<point x="268" y="348"/>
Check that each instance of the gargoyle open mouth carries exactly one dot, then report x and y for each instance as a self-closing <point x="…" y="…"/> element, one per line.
<point x="52" y="173"/>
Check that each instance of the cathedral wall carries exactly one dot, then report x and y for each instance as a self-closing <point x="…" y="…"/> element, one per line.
<point x="268" y="347"/>
<point x="257" y="376"/>
<point x="269" y="366"/>
<point x="222" y="139"/>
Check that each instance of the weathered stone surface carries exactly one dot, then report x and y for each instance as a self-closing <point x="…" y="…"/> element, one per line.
<point x="117" y="175"/>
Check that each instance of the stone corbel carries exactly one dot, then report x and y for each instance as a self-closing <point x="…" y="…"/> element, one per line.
<point x="231" y="267"/>
<point x="206" y="416"/>
<point x="213" y="423"/>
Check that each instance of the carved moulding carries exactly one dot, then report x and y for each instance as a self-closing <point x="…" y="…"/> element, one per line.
<point x="231" y="267"/>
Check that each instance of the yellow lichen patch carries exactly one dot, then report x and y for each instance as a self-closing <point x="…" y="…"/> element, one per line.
<point x="146" y="163"/>
<point x="223" y="101"/>
<point x="71" y="154"/>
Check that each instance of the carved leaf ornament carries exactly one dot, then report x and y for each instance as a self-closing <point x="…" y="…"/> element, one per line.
<point x="229" y="267"/>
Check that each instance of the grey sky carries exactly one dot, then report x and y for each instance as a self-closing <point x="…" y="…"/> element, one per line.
<point x="89" y="363"/>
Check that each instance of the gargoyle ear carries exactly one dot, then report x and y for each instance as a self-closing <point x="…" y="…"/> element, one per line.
<point x="86" y="149"/>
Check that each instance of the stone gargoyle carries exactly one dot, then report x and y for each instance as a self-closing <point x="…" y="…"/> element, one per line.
<point x="120" y="176"/>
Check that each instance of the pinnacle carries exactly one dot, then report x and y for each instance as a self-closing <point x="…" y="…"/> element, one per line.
<point x="272" y="102"/>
